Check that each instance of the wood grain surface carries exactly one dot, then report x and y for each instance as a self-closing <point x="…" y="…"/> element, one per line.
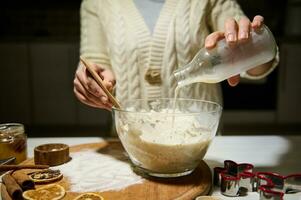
<point x="182" y="188"/>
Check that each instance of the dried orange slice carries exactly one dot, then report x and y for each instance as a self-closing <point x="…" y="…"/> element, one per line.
<point x="45" y="176"/>
<point x="89" y="196"/>
<point x="48" y="192"/>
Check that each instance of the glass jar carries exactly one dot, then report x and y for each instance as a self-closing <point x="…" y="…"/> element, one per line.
<point x="13" y="142"/>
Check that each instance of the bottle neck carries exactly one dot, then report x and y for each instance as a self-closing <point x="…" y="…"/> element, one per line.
<point x="181" y="75"/>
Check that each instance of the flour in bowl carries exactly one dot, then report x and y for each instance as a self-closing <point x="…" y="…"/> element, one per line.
<point x="162" y="143"/>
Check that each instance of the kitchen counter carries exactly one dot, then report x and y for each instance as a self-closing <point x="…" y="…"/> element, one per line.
<point x="280" y="154"/>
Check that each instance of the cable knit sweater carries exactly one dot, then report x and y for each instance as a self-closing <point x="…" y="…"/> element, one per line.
<point x="114" y="35"/>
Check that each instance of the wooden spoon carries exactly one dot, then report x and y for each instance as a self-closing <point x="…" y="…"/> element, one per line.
<point x="100" y="82"/>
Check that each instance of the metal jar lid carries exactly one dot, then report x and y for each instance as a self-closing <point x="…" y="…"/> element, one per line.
<point x="9" y="131"/>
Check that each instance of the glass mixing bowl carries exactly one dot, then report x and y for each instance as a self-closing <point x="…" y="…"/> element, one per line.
<point x="164" y="137"/>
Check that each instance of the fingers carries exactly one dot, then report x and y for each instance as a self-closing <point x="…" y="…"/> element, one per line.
<point x="241" y="31"/>
<point x="83" y="95"/>
<point x="108" y="79"/>
<point x="231" y="34"/>
<point x="88" y="92"/>
<point x="88" y="83"/>
<point x="90" y="102"/>
<point x="233" y="81"/>
<point x="257" y="21"/>
<point x="212" y="39"/>
<point x="84" y="100"/>
<point x="231" y="31"/>
<point x="244" y="29"/>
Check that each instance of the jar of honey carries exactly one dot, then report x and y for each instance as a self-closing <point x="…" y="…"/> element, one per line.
<point x="13" y="142"/>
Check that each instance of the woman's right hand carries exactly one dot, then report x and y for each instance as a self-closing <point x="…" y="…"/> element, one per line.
<point x="88" y="91"/>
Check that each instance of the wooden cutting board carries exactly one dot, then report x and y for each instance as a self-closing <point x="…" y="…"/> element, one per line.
<point x="187" y="187"/>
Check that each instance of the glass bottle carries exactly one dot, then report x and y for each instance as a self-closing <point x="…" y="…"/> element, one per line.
<point x="224" y="61"/>
<point x="13" y="142"/>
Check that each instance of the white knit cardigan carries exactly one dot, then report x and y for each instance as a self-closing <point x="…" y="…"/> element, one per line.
<point x="114" y="35"/>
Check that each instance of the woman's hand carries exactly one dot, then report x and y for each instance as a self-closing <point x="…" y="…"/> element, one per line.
<point x="87" y="90"/>
<point x="237" y="32"/>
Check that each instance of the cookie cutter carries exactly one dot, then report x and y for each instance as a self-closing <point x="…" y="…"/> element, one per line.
<point x="234" y="179"/>
<point x="237" y="179"/>
<point x="273" y="186"/>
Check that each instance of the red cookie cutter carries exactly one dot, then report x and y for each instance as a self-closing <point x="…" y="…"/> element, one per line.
<point x="274" y="186"/>
<point x="237" y="179"/>
<point x="234" y="179"/>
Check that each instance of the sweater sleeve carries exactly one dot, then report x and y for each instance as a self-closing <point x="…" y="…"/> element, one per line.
<point x="93" y="42"/>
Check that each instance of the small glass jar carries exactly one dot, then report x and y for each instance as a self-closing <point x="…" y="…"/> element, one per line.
<point x="13" y="142"/>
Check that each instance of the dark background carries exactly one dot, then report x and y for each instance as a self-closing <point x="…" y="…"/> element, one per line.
<point x="39" y="53"/>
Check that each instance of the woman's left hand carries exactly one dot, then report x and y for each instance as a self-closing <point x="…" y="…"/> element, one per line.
<point x="234" y="32"/>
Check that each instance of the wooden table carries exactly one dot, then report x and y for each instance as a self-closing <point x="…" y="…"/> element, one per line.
<point x="279" y="154"/>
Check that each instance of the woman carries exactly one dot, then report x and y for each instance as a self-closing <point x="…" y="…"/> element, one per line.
<point x="115" y="36"/>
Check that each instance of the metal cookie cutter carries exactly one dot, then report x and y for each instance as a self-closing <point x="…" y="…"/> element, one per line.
<point x="272" y="186"/>
<point x="235" y="179"/>
<point x="238" y="179"/>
